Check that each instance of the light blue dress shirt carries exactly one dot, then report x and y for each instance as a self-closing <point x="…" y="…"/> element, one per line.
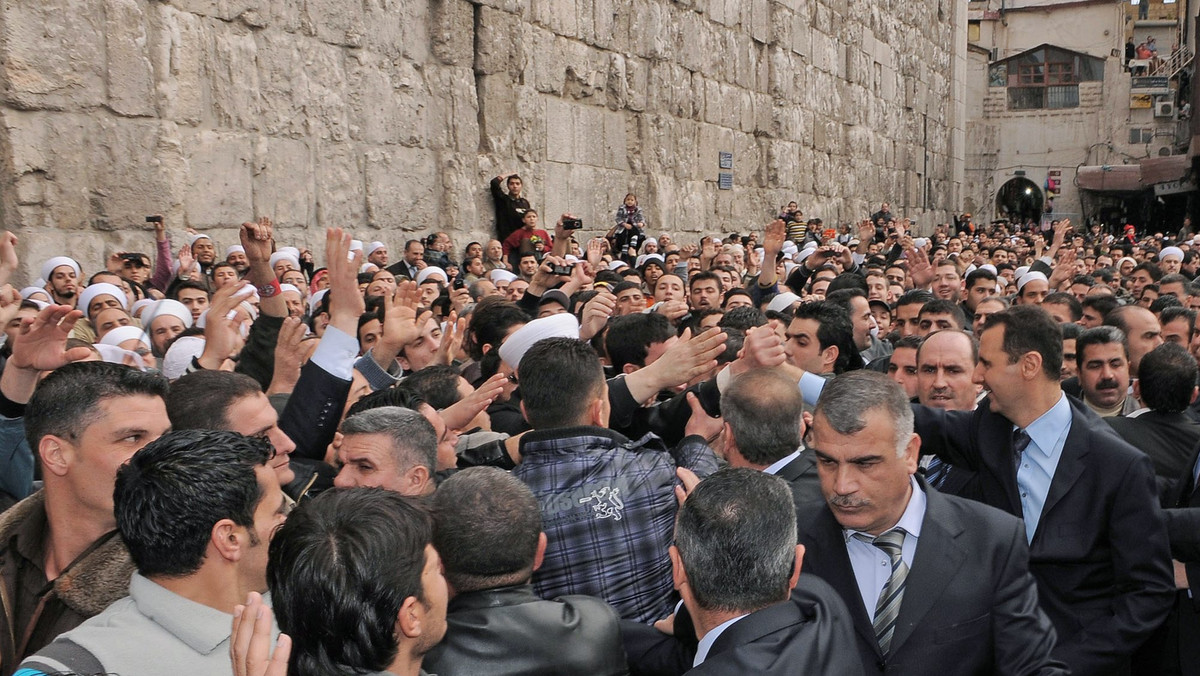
<point x="782" y="462"/>
<point x="1047" y="436"/>
<point x="710" y="638"/>
<point x="872" y="566"/>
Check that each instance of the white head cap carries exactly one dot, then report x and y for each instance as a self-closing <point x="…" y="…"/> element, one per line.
<point x="167" y="307"/>
<point x="179" y="356"/>
<point x="1029" y="277"/>
<point x="375" y="246"/>
<point x="192" y="239"/>
<point x="501" y="275"/>
<point x="431" y="271"/>
<point x="123" y="333"/>
<point x="285" y="256"/>
<point x="101" y="289"/>
<point x="236" y="248"/>
<point x="57" y="262"/>
<point x="1170" y="252"/>
<point x="562" y="325"/>
<point x="782" y="301"/>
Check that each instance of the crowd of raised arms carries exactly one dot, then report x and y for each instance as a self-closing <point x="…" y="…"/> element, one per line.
<point x="793" y="450"/>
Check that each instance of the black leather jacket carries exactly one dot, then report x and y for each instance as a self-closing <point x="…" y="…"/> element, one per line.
<point x="509" y="630"/>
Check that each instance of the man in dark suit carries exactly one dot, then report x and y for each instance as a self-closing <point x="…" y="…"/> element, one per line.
<point x="736" y="564"/>
<point x="1098" y="543"/>
<point x="412" y="263"/>
<point x="1167" y="385"/>
<point x="488" y="531"/>
<point x="934" y="583"/>
<point x="1175" y="647"/>
<point x="762" y="429"/>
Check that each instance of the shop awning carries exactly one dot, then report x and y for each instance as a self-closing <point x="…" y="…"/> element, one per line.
<point x="1165" y="169"/>
<point x="1110" y="178"/>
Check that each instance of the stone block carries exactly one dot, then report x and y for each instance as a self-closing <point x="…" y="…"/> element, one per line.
<point x="219" y="189"/>
<point x="341" y="186"/>
<point x="399" y="189"/>
<point x="130" y="78"/>
<point x="54" y="55"/>
<point x="233" y="79"/>
<point x="179" y="56"/>
<point x="284" y="181"/>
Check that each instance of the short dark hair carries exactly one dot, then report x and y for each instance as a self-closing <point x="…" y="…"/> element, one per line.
<point x="1101" y="304"/>
<point x="174" y="490"/>
<point x="1166" y="378"/>
<point x="66" y="402"/>
<point x="843" y="296"/>
<point x="1070" y="301"/>
<point x="489" y="324"/>
<point x="734" y="292"/>
<point x="833" y="328"/>
<point x="978" y="274"/>
<point x="409" y="243"/>
<point x="914" y="297"/>
<point x="846" y="281"/>
<point x="744" y="318"/>
<point x="736" y="536"/>
<point x="1029" y="328"/>
<point x="1164" y="302"/>
<point x="567" y="376"/>
<point x="1070" y="331"/>
<point x="437" y="384"/>
<point x="625" y="286"/>
<point x="939" y="306"/>
<point x="1170" y="314"/>
<point x="763" y="410"/>
<point x="188" y="284"/>
<point x="486" y="528"/>
<point x="1174" y="278"/>
<point x="339" y="570"/>
<point x="1153" y="270"/>
<point x="199" y="400"/>
<point x="701" y="276"/>
<point x="629" y="338"/>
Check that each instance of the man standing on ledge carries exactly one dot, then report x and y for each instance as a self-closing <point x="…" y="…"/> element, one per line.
<point x="510" y="206"/>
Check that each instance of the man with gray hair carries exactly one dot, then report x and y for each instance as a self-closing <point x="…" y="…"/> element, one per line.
<point x="737" y="566"/>
<point x="389" y="447"/>
<point x="971" y="605"/>
<point x="762" y="429"/>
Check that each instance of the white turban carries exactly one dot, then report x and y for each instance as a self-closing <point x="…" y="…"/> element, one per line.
<point x="356" y="245"/>
<point x="179" y="356"/>
<point x="375" y="246"/>
<point x="192" y="239"/>
<point x="110" y="353"/>
<point x="57" y="262"/>
<point x="1171" y="251"/>
<point x="562" y="325"/>
<point x="501" y="275"/>
<point x="782" y="302"/>
<point x="236" y="248"/>
<point x="28" y="292"/>
<point x="167" y="307"/>
<point x="1029" y="277"/>
<point x="285" y="256"/>
<point x="650" y="240"/>
<point x="617" y="265"/>
<point x="123" y="333"/>
<point x="290" y="287"/>
<point x="431" y="271"/>
<point x="315" y="300"/>
<point x="140" y="304"/>
<point x="102" y="289"/>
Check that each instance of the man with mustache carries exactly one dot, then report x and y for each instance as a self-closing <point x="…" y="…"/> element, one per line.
<point x="1103" y="358"/>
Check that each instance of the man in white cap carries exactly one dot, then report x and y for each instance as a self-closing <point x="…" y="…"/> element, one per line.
<point x="203" y="251"/>
<point x="608" y="503"/>
<point x="1032" y="288"/>
<point x="101" y="296"/>
<point x="1170" y="260"/>
<point x="377" y="254"/>
<point x="501" y="279"/>
<point x="62" y="279"/>
<point x="236" y="256"/>
<point x="282" y="261"/>
<point x="165" y="320"/>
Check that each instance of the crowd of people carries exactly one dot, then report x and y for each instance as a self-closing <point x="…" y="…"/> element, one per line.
<point x="796" y="450"/>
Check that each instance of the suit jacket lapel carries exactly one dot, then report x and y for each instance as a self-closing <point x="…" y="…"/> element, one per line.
<point x="835" y="569"/>
<point x="796" y="468"/>
<point x="998" y="460"/>
<point x="1070" y="467"/>
<point x="938" y="559"/>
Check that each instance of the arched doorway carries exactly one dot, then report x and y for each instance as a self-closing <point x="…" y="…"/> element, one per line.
<point x="1020" y="200"/>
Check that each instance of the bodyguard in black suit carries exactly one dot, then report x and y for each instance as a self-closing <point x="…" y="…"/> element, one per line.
<point x="736" y="564"/>
<point x="1098" y="543"/>
<point x="763" y="429"/>
<point x="1166" y="384"/>
<point x="958" y="597"/>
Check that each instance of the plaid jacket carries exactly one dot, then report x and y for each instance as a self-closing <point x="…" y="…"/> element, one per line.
<point x="608" y="509"/>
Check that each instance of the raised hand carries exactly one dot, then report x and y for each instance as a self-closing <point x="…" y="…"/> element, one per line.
<point x="773" y="239"/>
<point x="452" y="339"/>
<point x="289" y="356"/>
<point x="346" y="302"/>
<point x="596" y="314"/>
<point x="460" y="415"/>
<point x="40" y="343"/>
<point x="920" y="271"/>
<point x="258" y="239"/>
<point x="222" y="337"/>
<point x="250" y="641"/>
<point x="186" y="261"/>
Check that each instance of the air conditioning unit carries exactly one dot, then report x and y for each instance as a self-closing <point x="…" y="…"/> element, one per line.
<point x="1164" y="109"/>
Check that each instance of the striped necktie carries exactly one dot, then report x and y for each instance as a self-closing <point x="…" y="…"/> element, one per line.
<point x="887" y="609"/>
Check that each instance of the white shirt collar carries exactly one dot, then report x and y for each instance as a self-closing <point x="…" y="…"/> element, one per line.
<point x="706" y="643"/>
<point x="782" y="462"/>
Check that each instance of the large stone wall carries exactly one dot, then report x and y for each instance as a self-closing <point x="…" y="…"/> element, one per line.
<point x="390" y="116"/>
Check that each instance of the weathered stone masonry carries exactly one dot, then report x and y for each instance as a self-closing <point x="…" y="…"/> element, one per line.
<point x="389" y="116"/>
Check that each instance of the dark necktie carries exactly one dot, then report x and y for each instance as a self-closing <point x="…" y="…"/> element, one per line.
<point x="1020" y="443"/>
<point x="887" y="609"/>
